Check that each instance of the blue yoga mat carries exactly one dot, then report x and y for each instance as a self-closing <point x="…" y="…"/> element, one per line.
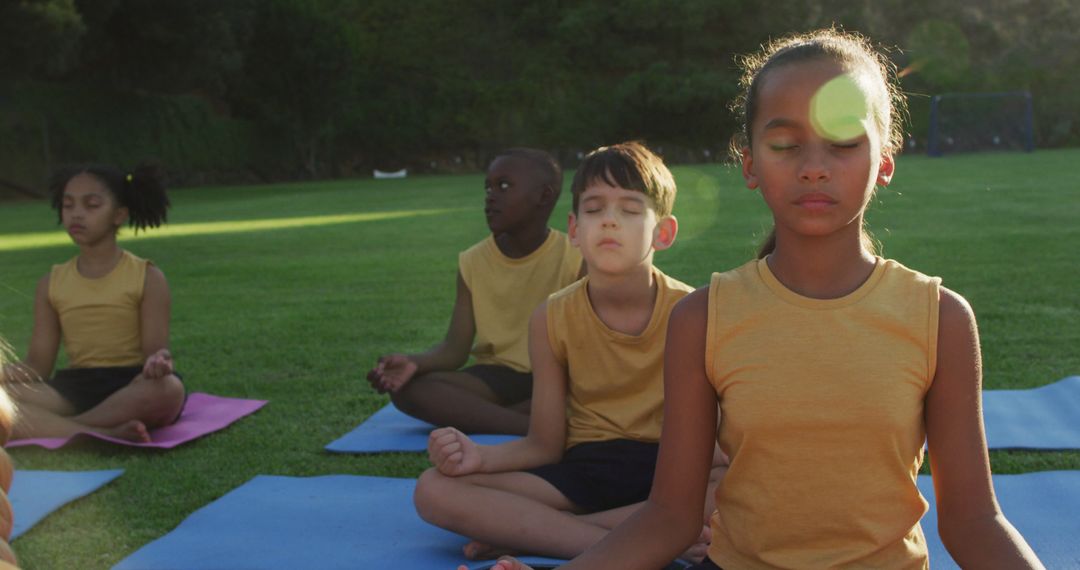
<point x="35" y="494"/>
<point x="389" y="430"/>
<point x="1043" y="506"/>
<point x="333" y="521"/>
<point x="1045" y="418"/>
<point x="349" y="521"/>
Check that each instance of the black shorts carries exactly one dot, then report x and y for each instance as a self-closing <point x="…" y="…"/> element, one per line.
<point x="602" y="475"/>
<point x="85" y="388"/>
<point x="510" y="386"/>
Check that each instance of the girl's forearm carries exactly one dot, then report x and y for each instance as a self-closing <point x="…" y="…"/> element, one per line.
<point x="989" y="542"/>
<point x="651" y="538"/>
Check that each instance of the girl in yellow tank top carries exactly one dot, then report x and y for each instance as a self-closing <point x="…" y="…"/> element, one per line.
<point x="830" y="364"/>
<point x="111" y="311"/>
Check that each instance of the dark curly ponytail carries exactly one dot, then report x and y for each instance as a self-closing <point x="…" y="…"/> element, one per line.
<point x="141" y="191"/>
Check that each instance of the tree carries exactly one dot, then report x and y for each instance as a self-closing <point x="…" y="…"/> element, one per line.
<point x="39" y="38"/>
<point x="300" y="76"/>
<point x="193" y="46"/>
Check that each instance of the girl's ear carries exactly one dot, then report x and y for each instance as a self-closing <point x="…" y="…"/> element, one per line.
<point x="120" y="216"/>
<point x="571" y="229"/>
<point x="664" y="234"/>
<point x="748" y="169"/>
<point x="885" y="170"/>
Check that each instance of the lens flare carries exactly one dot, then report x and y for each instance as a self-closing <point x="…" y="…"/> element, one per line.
<point x="839" y="110"/>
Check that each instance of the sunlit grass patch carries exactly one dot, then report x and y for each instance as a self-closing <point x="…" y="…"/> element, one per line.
<point x="11" y="242"/>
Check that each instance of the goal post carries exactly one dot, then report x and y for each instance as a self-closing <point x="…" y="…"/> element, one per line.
<point x="973" y="122"/>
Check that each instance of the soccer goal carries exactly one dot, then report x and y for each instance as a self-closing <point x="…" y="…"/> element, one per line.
<point x="973" y="122"/>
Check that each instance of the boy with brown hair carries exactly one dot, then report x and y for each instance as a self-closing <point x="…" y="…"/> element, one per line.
<point x="597" y="349"/>
<point x="500" y="281"/>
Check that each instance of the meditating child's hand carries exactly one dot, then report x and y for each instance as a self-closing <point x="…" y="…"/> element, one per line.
<point x="453" y="453"/>
<point x="159" y="365"/>
<point x="391" y="373"/>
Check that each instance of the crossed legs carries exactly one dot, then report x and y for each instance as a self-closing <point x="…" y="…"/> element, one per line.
<point x="128" y="413"/>
<point x="517" y="512"/>
<point x="461" y="400"/>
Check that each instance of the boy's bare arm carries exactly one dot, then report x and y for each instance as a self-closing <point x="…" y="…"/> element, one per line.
<point x="455" y="454"/>
<point x="392" y="371"/>
<point x="546" y="439"/>
<point x="44" y="341"/>
<point x="453" y="351"/>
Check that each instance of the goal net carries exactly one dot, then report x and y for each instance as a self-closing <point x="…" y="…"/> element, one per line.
<point x="973" y="122"/>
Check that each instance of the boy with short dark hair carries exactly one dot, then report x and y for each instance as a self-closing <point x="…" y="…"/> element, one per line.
<point x="597" y="352"/>
<point x="500" y="281"/>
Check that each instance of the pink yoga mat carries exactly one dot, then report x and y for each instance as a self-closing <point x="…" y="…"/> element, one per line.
<point x="203" y="414"/>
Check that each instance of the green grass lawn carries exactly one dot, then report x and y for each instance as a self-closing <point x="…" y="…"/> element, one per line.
<point x="289" y="293"/>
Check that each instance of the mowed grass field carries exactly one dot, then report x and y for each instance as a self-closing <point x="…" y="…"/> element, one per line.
<point x="290" y="292"/>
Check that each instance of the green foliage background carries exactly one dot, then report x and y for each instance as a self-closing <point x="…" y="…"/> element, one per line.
<point x="246" y="90"/>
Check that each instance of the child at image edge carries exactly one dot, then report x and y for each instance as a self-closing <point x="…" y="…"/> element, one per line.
<point x="500" y="281"/>
<point x="8" y="560"/>
<point x="596" y="348"/>
<point x="831" y="365"/>
<point x="110" y="308"/>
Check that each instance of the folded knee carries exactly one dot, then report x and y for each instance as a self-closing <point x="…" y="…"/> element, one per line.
<point x="430" y="496"/>
<point x="400" y="400"/>
<point x="164" y="402"/>
<point x="405" y="399"/>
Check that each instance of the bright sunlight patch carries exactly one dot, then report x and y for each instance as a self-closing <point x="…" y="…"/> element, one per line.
<point x="12" y="242"/>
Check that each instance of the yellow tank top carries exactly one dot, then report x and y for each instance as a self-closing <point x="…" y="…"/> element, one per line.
<point x="822" y="416"/>
<point x="99" y="318"/>
<point x="616" y="386"/>
<point x="505" y="291"/>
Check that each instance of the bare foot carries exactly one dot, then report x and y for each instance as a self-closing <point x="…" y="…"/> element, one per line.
<point x="505" y="563"/>
<point x="479" y="551"/>
<point x="697" y="551"/>
<point x="133" y="430"/>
